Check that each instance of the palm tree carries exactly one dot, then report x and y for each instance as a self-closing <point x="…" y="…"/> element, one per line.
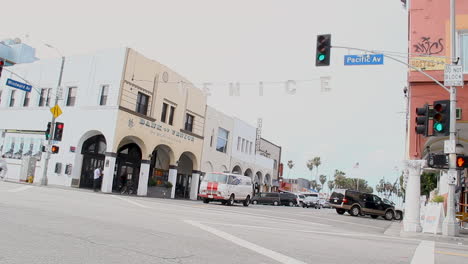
<point x="314" y="184"/>
<point x="323" y="179"/>
<point x="319" y="187"/>
<point x="331" y="185"/>
<point x="290" y="166"/>
<point x="316" y="161"/>
<point x="310" y="166"/>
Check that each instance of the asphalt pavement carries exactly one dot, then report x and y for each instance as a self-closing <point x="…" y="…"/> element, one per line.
<point x="67" y="225"/>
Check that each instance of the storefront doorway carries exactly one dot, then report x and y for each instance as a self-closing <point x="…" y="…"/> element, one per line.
<point x="126" y="175"/>
<point x="184" y="177"/>
<point x="93" y="157"/>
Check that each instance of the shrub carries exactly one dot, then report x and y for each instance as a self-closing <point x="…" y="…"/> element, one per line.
<point x="167" y="184"/>
<point x="152" y="182"/>
<point x="438" y="199"/>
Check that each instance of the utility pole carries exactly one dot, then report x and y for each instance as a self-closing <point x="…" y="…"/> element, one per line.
<point x="449" y="226"/>
<point x="52" y="126"/>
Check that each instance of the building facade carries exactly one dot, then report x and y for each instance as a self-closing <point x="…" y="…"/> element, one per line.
<point x="126" y="113"/>
<point x="430" y="46"/>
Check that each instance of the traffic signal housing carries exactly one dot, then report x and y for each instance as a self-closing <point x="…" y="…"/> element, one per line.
<point x="462" y="162"/>
<point x="48" y="131"/>
<point x="54" y="149"/>
<point x="2" y="63"/>
<point x="441" y="118"/>
<point x="422" y="120"/>
<point x="58" y="132"/>
<point x="322" y="57"/>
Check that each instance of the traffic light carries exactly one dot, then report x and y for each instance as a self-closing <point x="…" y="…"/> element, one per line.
<point x="54" y="149"/>
<point x="323" y="50"/>
<point x="2" y="63"/>
<point x="58" y="132"/>
<point x="48" y="131"/>
<point x="422" y="120"/>
<point x="441" y="118"/>
<point x="462" y="162"/>
<point x="439" y="161"/>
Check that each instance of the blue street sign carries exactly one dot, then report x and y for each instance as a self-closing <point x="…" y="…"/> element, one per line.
<point x="18" y="85"/>
<point x="367" y="59"/>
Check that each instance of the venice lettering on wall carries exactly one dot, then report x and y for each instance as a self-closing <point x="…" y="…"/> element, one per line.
<point x="169" y="132"/>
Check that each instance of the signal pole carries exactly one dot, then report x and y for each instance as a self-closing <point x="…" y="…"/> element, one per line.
<point x="52" y="125"/>
<point x="449" y="226"/>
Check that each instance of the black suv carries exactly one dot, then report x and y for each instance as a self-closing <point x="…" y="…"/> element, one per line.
<point x="358" y="203"/>
<point x="288" y="199"/>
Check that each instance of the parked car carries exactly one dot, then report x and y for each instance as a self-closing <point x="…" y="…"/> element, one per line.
<point x="3" y="168"/>
<point x="311" y="201"/>
<point x="267" y="198"/>
<point x="358" y="203"/>
<point x="227" y="188"/>
<point x="300" y="199"/>
<point x="324" y="203"/>
<point x="288" y="199"/>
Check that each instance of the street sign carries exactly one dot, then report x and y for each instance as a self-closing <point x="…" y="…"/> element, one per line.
<point x="449" y="146"/>
<point x="56" y="111"/>
<point x="366" y="59"/>
<point x="453" y="75"/>
<point x="452" y="176"/>
<point x="19" y="85"/>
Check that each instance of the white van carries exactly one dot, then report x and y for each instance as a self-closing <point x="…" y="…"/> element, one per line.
<point x="227" y="188"/>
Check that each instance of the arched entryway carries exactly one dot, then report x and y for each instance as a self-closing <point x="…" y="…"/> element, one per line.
<point x="93" y="151"/>
<point x="257" y="182"/>
<point x="237" y="169"/>
<point x="186" y="165"/>
<point x="161" y="159"/>
<point x="267" y="183"/>
<point x="248" y="172"/>
<point x="127" y="170"/>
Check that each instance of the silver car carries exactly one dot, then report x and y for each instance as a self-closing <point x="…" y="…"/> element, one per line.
<point x="3" y="168"/>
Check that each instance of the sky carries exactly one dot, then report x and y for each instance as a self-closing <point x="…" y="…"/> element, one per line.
<point x="360" y="119"/>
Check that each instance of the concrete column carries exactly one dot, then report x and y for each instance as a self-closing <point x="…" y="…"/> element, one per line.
<point x="194" y="185"/>
<point x="109" y="168"/>
<point x="172" y="179"/>
<point x="143" y="179"/>
<point x="412" y="220"/>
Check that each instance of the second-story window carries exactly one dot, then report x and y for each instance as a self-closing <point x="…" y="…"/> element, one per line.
<point x="49" y="91"/>
<point x="12" y="98"/>
<point x="171" y="115"/>
<point x="42" y="97"/>
<point x="104" y="92"/>
<point x="27" y="98"/>
<point x="189" y="122"/>
<point x="71" y="98"/>
<point x="221" y="144"/>
<point x="164" y="113"/>
<point x="142" y="103"/>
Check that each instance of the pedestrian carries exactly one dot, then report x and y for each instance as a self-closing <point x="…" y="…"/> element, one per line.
<point x="97" y="176"/>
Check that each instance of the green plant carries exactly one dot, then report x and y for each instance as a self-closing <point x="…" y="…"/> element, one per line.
<point x="167" y="184"/>
<point x="438" y="199"/>
<point x="151" y="182"/>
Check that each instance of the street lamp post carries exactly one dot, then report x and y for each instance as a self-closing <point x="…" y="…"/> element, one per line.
<point x="52" y="124"/>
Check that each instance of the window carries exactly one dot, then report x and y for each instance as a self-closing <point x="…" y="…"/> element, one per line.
<point x="48" y="96"/>
<point x="171" y="115"/>
<point x="250" y="148"/>
<point x="238" y="143"/>
<point x="211" y="139"/>
<point x="164" y="113"/>
<point x="221" y="144"/>
<point x="12" y="98"/>
<point x="142" y="103"/>
<point x="27" y="98"/>
<point x="243" y="145"/>
<point x="42" y="99"/>
<point x="189" y="122"/>
<point x="71" y="96"/>
<point x="104" y="93"/>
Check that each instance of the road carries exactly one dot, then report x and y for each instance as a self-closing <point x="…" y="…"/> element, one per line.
<point x="56" y="225"/>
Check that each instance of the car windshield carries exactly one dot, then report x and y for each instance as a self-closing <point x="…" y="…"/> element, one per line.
<point x="388" y="202"/>
<point x="215" y="177"/>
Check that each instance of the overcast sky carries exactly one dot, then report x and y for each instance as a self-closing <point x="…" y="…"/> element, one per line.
<point x="247" y="41"/>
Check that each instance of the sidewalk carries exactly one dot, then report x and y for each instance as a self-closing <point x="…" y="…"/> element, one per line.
<point x="396" y="229"/>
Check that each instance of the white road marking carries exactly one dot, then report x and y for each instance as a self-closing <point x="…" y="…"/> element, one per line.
<point x="130" y="201"/>
<point x="424" y="253"/>
<point x="22" y="188"/>
<point x="345" y="222"/>
<point x="246" y="244"/>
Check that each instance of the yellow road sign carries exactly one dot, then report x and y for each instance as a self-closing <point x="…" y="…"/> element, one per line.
<point x="56" y="111"/>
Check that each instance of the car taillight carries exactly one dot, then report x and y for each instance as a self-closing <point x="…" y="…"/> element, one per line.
<point x="345" y="200"/>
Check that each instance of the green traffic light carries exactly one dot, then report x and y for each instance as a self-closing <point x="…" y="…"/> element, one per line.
<point x="438" y="127"/>
<point x="321" y="57"/>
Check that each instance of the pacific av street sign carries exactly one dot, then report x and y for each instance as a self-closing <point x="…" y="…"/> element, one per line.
<point x="366" y="59"/>
<point x="19" y="85"/>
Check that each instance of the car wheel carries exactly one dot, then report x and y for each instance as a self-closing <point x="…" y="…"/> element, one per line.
<point x="398" y="215"/>
<point x="355" y="211"/>
<point x="340" y="211"/>
<point x="275" y="203"/>
<point x="291" y="204"/>
<point x="206" y="200"/>
<point x="255" y="202"/>
<point x="303" y="206"/>
<point x="388" y="215"/>
<point x="374" y="216"/>
<point x="230" y="202"/>
<point x="246" y="201"/>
